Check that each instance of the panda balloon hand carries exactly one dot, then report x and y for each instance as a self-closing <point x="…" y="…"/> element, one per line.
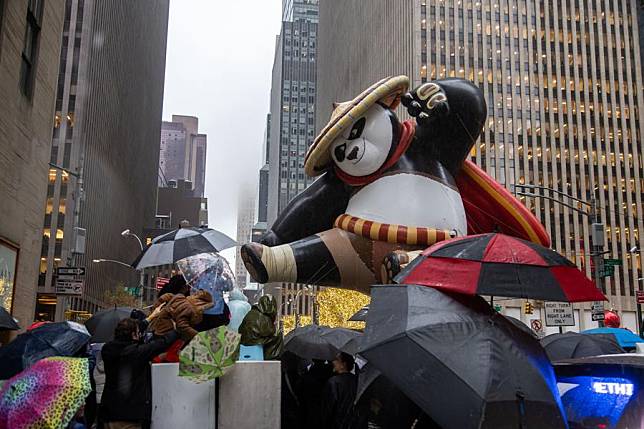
<point x="426" y="103"/>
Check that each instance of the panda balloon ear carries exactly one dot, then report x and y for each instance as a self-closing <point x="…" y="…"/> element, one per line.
<point x="392" y="101"/>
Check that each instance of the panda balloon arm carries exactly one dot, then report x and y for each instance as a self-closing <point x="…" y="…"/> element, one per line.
<point x="426" y="103"/>
<point x="450" y="115"/>
<point x="313" y="210"/>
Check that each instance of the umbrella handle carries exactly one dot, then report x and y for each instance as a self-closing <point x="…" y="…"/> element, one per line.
<point x="521" y="408"/>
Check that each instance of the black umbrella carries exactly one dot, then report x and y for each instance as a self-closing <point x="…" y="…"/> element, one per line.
<point x="460" y="361"/>
<point x="525" y="328"/>
<point x="360" y="315"/>
<point x="573" y="345"/>
<point x="352" y="346"/>
<point x="102" y="324"/>
<point x="308" y="342"/>
<point x="181" y="243"/>
<point x="339" y="337"/>
<point x="366" y="376"/>
<point x="7" y="322"/>
<point x="50" y="339"/>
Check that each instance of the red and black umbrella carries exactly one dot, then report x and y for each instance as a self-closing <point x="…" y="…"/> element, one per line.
<point x="500" y="265"/>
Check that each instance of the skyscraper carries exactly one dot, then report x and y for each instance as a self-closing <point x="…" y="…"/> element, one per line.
<point x="640" y="19"/>
<point x="29" y="51"/>
<point x="291" y="122"/>
<point x="106" y="131"/>
<point x="563" y="85"/>
<point x="262" y="197"/>
<point x="245" y="222"/>
<point x="183" y="153"/>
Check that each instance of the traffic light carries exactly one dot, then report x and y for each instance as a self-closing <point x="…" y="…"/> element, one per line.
<point x="528" y="308"/>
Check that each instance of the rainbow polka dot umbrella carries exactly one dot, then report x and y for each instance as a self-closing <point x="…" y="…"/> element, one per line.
<point x="46" y="395"/>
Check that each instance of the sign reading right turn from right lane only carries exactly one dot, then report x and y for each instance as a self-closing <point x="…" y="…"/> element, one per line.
<point x="559" y="314"/>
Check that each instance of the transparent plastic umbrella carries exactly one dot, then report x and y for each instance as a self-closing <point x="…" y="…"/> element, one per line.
<point x="210" y="272"/>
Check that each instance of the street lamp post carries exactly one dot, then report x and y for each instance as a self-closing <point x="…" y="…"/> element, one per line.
<point x="114" y="261"/>
<point x="96" y="261"/>
<point x="597" y="228"/>
<point x="128" y="233"/>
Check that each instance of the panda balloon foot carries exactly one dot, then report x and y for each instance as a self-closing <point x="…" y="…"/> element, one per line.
<point x="392" y="265"/>
<point x="395" y="262"/>
<point x="251" y="254"/>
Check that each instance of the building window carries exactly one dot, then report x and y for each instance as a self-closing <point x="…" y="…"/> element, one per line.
<point x="30" y="50"/>
<point x="8" y="261"/>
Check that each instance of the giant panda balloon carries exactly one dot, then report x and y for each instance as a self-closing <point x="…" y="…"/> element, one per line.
<point x="387" y="186"/>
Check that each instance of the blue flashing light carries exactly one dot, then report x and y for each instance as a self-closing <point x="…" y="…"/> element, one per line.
<point x="600" y="400"/>
<point x="604" y="387"/>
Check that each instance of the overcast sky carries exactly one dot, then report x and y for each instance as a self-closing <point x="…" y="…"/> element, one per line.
<point x="218" y="68"/>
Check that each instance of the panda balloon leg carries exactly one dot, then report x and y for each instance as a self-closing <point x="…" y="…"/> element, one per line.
<point x="335" y="257"/>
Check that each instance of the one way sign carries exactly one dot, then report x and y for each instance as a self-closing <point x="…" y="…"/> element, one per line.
<point x="70" y="271"/>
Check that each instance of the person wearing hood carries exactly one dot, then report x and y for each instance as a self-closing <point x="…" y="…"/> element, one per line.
<point x="184" y="312"/>
<point x="239" y="307"/>
<point x="258" y="327"/>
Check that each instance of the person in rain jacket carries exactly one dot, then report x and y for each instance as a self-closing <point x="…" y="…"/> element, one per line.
<point x="239" y="307"/>
<point x="258" y="327"/>
<point x="181" y="312"/>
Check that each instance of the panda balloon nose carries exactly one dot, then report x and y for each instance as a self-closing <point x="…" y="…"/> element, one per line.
<point x="353" y="154"/>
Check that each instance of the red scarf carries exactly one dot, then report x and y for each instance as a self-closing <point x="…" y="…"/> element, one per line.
<point x="406" y="136"/>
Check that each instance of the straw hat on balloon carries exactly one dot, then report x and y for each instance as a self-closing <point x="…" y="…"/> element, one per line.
<point x="386" y="92"/>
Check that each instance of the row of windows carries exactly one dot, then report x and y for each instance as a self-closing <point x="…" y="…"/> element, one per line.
<point x="611" y="19"/>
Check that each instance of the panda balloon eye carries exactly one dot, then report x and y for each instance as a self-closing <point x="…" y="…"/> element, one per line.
<point x="357" y="129"/>
<point x="339" y="152"/>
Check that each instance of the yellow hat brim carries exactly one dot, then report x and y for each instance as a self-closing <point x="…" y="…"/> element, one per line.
<point x="387" y="90"/>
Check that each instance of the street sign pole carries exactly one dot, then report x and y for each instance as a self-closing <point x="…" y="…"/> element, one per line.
<point x="639" y="299"/>
<point x="597" y="237"/>
<point x="639" y="320"/>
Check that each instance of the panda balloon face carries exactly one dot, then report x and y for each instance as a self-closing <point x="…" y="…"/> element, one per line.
<point x="364" y="147"/>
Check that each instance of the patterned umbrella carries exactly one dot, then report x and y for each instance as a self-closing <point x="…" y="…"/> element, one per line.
<point x="209" y="355"/>
<point x="500" y="265"/>
<point x="181" y="243"/>
<point x="47" y="395"/>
